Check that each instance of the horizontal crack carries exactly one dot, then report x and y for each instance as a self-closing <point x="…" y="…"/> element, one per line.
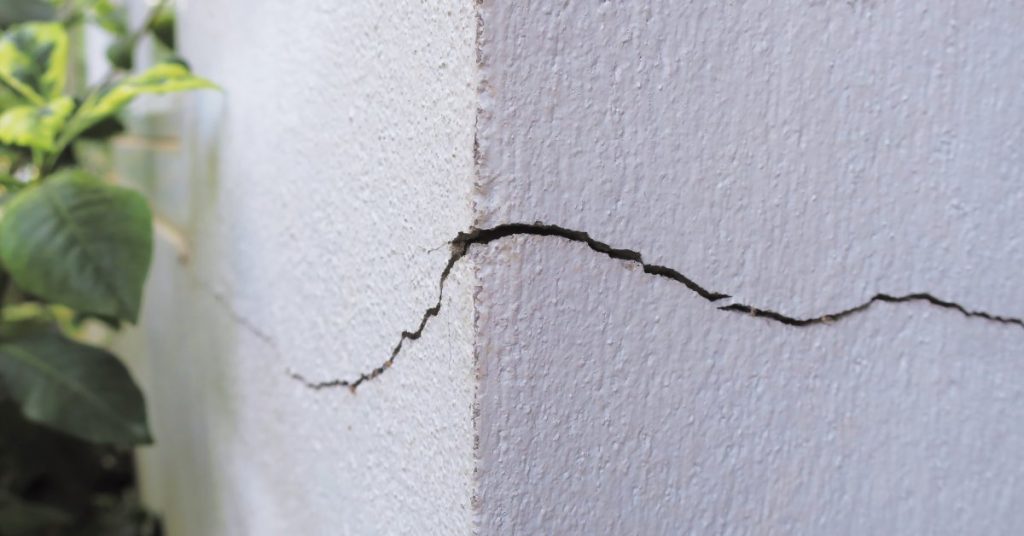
<point x="885" y="298"/>
<point x="461" y="244"/>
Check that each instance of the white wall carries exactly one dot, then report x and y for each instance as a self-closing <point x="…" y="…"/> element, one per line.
<point x="309" y="195"/>
<point x="800" y="156"/>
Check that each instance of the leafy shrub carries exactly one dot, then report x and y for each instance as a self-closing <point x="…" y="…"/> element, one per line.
<point x="74" y="249"/>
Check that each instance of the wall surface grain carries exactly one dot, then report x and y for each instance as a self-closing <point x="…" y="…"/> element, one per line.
<point x="309" y="200"/>
<point x="876" y="144"/>
<point x="802" y="157"/>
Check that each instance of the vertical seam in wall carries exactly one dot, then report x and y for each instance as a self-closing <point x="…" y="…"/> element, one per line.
<point x="481" y="90"/>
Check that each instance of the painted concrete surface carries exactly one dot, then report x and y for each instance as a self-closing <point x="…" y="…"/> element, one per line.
<point x="621" y="403"/>
<point x="800" y="156"/>
<point x="798" y="153"/>
<point x="309" y="197"/>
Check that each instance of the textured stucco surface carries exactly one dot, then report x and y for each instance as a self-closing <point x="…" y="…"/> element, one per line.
<point x="797" y="153"/>
<point x="801" y="156"/>
<point x="309" y="195"/>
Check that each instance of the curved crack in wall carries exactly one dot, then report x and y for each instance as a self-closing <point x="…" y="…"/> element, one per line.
<point x="461" y="244"/>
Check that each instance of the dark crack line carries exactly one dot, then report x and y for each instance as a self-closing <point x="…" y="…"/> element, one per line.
<point x="461" y="244"/>
<point x="883" y="298"/>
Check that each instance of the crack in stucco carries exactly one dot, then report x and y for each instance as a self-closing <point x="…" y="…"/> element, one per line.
<point x="461" y="244"/>
<point x="224" y="301"/>
<point x="877" y="298"/>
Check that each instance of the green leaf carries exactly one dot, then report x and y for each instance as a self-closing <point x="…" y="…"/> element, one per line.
<point x="30" y="455"/>
<point x="77" y="241"/>
<point x="120" y="53"/>
<point x="33" y="60"/>
<point x="8" y="183"/>
<point x="9" y="157"/>
<point x="111" y="126"/>
<point x="22" y="518"/>
<point x="35" y="126"/>
<point x="161" y="78"/>
<point x="77" y="389"/>
<point x="8" y="98"/>
<point x="110" y="17"/>
<point x="163" y="26"/>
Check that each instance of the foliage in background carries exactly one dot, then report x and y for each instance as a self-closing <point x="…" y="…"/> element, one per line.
<point x="74" y="253"/>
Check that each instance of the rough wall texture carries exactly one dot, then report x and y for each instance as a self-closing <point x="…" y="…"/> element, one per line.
<point x="801" y="156"/>
<point x="308" y="196"/>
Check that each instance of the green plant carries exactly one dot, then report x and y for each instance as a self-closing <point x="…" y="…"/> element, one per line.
<point x="74" y="253"/>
